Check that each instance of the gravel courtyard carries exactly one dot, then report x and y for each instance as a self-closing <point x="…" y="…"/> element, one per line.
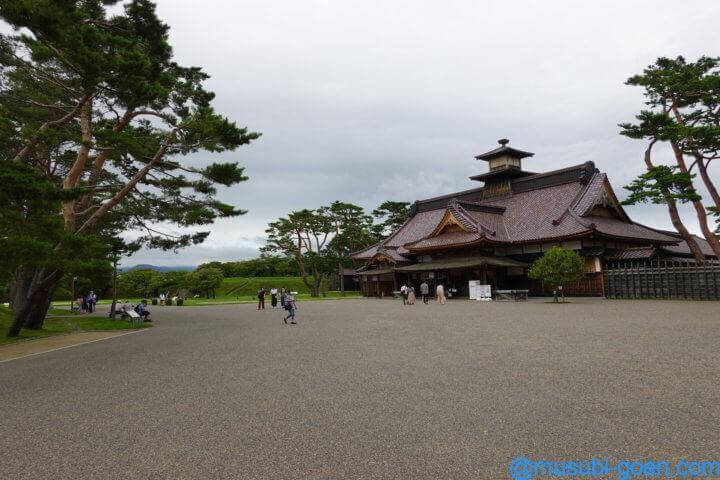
<point x="369" y="389"/>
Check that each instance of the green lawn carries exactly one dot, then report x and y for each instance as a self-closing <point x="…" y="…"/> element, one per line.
<point x="62" y="307"/>
<point x="61" y="325"/>
<point x="247" y="287"/>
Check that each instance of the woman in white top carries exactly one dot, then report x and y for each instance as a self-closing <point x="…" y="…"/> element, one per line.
<point x="440" y="295"/>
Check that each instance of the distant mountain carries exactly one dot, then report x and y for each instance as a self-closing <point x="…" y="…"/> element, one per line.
<point x="157" y="268"/>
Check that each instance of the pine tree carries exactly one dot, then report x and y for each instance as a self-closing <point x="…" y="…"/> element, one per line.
<point x="97" y="104"/>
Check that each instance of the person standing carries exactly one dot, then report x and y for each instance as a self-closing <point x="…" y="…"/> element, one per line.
<point x="261" y="298"/>
<point x="404" y="293"/>
<point x="273" y="297"/>
<point x="440" y="294"/>
<point x="89" y="302"/>
<point x="424" y="291"/>
<point x="290" y="307"/>
<point x="411" y="295"/>
<point x="283" y="296"/>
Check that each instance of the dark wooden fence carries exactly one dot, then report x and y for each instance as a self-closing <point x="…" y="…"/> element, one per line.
<point x="662" y="279"/>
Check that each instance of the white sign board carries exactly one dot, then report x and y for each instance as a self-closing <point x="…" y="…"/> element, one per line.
<point x="485" y="292"/>
<point x="474" y="289"/>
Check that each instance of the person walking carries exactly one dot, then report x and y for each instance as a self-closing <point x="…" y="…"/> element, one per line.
<point x="261" y="298"/>
<point x="440" y="294"/>
<point x="283" y="296"/>
<point x="290" y="307"/>
<point x="273" y="297"/>
<point x="411" y="295"/>
<point x="424" y="291"/>
<point x="404" y="293"/>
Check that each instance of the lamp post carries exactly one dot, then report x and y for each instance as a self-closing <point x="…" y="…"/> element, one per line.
<point x="72" y="288"/>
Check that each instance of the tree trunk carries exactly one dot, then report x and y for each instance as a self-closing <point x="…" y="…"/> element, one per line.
<point x="342" y="278"/>
<point x="32" y="292"/>
<point x="697" y="204"/>
<point x="709" y="235"/>
<point x="674" y="214"/>
<point x="702" y="168"/>
<point x="36" y="317"/>
<point x="680" y="227"/>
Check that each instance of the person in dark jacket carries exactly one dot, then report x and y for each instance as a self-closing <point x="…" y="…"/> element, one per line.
<point x="142" y="310"/>
<point x="290" y="307"/>
<point x="261" y="298"/>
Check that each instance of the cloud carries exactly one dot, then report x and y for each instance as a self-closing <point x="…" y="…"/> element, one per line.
<point x="374" y="100"/>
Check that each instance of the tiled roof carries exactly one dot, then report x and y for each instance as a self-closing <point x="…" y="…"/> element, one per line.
<point x="683" y="249"/>
<point x="542" y="207"/>
<point x="448" y="263"/>
<point x="491" y="225"/>
<point x="391" y="253"/>
<point x="365" y="253"/>
<point x="529" y="215"/>
<point x="633" y="254"/>
<point x="419" y="226"/>
<point x="445" y="238"/>
<point x="587" y="198"/>
<point x="618" y="228"/>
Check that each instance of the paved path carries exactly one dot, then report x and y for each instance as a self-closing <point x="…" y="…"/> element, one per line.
<point x="38" y="346"/>
<point x="368" y="389"/>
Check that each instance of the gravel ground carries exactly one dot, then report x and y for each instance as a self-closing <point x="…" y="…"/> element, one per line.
<point x="369" y="389"/>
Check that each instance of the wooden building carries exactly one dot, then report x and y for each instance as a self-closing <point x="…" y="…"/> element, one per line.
<point x="494" y="232"/>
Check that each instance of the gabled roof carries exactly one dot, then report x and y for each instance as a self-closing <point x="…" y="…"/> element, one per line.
<point x="549" y="206"/>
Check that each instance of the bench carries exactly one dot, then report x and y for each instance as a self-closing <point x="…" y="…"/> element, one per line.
<point x="130" y="315"/>
<point x="511" y="295"/>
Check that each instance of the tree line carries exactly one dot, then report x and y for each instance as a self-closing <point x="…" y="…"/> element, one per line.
<point x="320" y="241"/>
<point x="327" y="235"/>
<point x="148" y="283"/>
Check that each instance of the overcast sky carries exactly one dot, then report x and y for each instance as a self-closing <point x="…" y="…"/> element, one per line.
<point x="366" y="101"/>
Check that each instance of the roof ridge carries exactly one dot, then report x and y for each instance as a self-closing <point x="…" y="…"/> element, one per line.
<point x="461" y="215"/>
<point x="554" y="172"/>
<point x="476" y="223"/>
<point x="450" y="195"/>
<point x="581" y="195"/>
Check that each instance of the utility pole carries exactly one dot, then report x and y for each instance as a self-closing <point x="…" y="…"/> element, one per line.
<point x="114" y="302"/>
<point x="72" y="293"/>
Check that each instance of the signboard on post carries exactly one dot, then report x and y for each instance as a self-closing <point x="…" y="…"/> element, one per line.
<point x="485" y="292"/>
<point x="478" y="291"/>
<point x="474" y="290"/>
